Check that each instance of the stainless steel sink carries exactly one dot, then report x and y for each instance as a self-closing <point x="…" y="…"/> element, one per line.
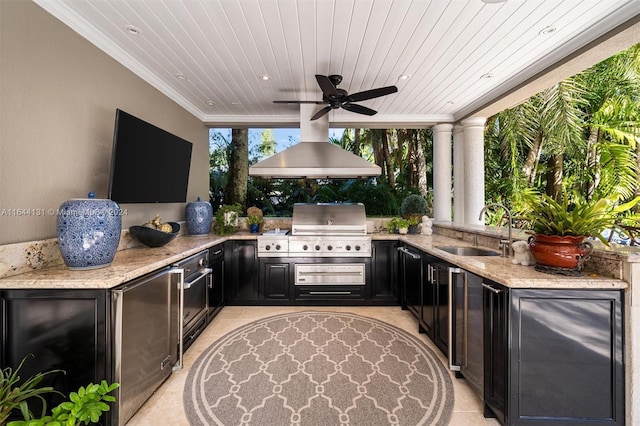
<point x="468" y="251"/>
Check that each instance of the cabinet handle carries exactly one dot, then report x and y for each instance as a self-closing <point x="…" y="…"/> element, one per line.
<point x="491" y="289"/>
<point x="217" y="252"/>
<point x="451" y="303"/>
<point x="410" y="253"/>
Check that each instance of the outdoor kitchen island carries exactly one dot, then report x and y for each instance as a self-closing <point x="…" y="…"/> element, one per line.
<point x="516" y="367"/>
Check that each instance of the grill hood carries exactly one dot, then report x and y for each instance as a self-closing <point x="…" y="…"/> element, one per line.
<point x="312" y="158"/>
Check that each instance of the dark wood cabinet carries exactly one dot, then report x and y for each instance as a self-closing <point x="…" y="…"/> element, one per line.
<point x="495" y="299"/>
<point x="275" y="275"/>
<point x="384" y="268"/>
<point x="243" y="275"/>
<point x="62" y="329"/>
<point x="411" y="279"/>
<point x="440" y="288"/>
<point x="217" y="285"/>
<point x="428" y="296"/>
<point x="554" y="356"/>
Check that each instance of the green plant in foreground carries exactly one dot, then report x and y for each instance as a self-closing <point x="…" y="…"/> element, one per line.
<point x="14" y="396"/>
<point x="83" y="407"/>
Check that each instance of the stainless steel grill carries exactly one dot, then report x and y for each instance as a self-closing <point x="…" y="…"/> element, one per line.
<point x="321" y="230"/>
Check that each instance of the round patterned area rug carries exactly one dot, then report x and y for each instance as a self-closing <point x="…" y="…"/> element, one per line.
<point x="318" y="368"/>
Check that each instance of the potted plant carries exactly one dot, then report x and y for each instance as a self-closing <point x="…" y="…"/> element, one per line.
<point x="254" y="223"/>
<point x="413" y="222"/>
<point x="559" y="229"/>
<point x="227" y="219"/>
<point x="413" y="207"/>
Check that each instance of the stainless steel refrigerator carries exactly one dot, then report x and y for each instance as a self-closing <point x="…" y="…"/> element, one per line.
<point x="146" y="324"/>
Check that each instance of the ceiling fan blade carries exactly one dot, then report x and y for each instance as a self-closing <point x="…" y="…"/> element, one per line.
<point x="359" y="109"/>
<point x="320" y="113"/>
<point x="299" y="102"/>
<point x="327" y="87"/>
<point x="373" y="93"/>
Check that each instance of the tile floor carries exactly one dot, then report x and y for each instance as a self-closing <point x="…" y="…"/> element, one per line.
<point x="165" y="406"/>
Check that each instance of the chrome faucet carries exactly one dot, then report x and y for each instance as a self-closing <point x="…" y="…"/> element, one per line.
<point x="505" y="245"/>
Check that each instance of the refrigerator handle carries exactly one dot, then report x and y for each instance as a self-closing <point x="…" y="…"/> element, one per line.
<point x="451" y="305"/>
<point x="180" y="286"/>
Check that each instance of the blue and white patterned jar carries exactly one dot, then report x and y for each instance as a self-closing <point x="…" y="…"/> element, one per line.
<point x="199" y="216"/>
<point x="88" y="232"/>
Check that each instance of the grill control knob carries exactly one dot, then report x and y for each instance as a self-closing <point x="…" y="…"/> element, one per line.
<point x="348" y="248"/>
<point x="267" y="247"/>
<point x="357" y="248"/>
<point x="278" y="247"/>
<point x="305" y="247"/>
<point x="329" y="247"/>
<point x="317" y="247"/>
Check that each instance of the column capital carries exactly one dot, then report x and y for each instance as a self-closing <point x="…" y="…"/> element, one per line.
<point x="458" y="128"/>
<point x="474" y="122"/>
<point x="442" y="127"/>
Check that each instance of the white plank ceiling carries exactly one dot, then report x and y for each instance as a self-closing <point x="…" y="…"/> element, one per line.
<point x="209" y="56"/>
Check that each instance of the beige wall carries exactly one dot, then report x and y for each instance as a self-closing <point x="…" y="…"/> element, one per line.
<point x="58" y="96"/>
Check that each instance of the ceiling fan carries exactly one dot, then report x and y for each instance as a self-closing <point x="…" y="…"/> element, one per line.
<point x="339" y="98"/>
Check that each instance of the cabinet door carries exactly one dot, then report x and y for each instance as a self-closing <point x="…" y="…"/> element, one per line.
<point x="566" y="357"/>
<point x="441" y="307"/>
<point x="385" y="270"/>
<point x="411" y="277"/>
<point x="496" y="349"/>
<point x="276" y="279"/>
<point x="243" y="265"/>
<point x="217" y="285"/>
<point x="428" y="296"/>
<point x="63" y="329"/>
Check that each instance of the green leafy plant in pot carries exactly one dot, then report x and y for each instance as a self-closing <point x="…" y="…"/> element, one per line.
<point x="413" y="207"/>
<point x="559" y="229"/>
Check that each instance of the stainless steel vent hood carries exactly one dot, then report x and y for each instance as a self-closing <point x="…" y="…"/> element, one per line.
<point x="313" y="158"/>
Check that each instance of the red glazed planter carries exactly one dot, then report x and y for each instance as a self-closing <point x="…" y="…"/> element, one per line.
<point x="560" y="252"/>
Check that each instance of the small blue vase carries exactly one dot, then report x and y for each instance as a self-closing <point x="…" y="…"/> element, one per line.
<point x="199" y="216"/>
<point x="88" y="232"/>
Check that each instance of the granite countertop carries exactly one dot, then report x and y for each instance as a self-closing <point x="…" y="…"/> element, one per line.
<point x="134" y="262"/>
<point x="503" y="271"/>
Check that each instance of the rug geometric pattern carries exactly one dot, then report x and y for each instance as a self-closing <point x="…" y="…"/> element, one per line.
<point x="318" y="368"/>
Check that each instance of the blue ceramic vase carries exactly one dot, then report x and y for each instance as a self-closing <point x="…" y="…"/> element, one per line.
<point x="88" y="232"/>
<point x="199" y="216"/>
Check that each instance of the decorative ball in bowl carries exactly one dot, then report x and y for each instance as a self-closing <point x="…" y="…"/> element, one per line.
<point x="153" y="237"/>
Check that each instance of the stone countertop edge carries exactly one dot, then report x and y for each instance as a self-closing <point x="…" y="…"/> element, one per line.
<point x="503" y="271"/>
<point x="135" y="262"/>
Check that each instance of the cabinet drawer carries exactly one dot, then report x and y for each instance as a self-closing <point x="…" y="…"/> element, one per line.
<point x="317" y="292"/>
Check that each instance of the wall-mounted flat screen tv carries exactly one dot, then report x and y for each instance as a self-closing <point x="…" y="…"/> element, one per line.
<point x="149" y="165"/>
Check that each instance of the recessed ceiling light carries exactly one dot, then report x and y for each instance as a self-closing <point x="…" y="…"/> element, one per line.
<point x="211" y="103"/>
<point x="404" y="77"/>
<point x="236" y="103"/>
<point x="548" y="30"/>
<point x="486" y="76"/>
<point x="180" y="76"/>
<point x="265" y="77"/>
<point x="450" y="103"/>
<point x="133" y="30"/>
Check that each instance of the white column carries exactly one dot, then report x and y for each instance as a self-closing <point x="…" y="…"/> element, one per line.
<point x="473" y="130"/>
<point x="442" y="172"/>
<point x="458" y="174"/>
